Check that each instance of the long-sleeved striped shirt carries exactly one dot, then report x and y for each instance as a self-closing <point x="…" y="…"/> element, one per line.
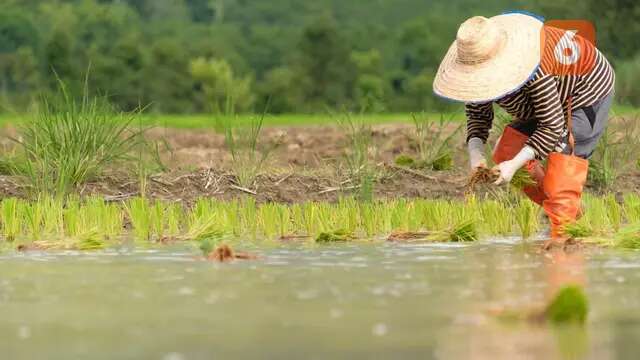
<point x="543" y="100"/>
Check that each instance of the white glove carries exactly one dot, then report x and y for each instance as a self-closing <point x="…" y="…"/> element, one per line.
<point x="508" y="168"/>
<point x="475" y="146"/>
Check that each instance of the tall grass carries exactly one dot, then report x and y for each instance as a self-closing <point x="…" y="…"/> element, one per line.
<point x="241" y="140"/>
<point x="617" y="151"/>
<point x="361" y="171"/>
<point x="68" y="141"/>
<point x="433" y="140"/>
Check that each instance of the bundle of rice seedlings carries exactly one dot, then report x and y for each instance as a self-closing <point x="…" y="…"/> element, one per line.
<point x="91" y="240"/>
<point x="521" y="179"/>
<point x="464" y="231"/>
<point x="578" y="229"/>
<point x="340" y="235"/>
<point x="628" y="237"/>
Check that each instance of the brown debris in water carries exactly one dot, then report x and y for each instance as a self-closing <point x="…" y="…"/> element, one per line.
<point x="224" y="253"/>
<point x="406" y="236"/>
<point x="293" y="237"/>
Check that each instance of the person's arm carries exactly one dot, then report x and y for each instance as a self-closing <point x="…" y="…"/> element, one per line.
<point x="550" y="123"/>
<point x="549" y="115"/>
<point x="479" y="121"/>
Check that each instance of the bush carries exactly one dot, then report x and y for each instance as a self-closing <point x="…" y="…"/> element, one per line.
<point x="68" y="142"/>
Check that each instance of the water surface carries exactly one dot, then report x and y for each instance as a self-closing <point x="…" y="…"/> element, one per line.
<point x="382" y="301"/>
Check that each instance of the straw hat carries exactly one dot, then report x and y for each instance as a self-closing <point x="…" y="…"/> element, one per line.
<point x="490" y="58"/>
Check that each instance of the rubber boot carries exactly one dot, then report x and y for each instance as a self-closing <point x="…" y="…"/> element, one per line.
<point x="563" y="184"/>
<point x="509" y="145"/>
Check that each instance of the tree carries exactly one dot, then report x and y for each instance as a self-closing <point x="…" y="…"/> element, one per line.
<point x="327" y="74"/>
<point x="223" y="91"/>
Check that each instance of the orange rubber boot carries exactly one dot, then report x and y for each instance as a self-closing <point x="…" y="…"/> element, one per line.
<point x="509" y="145"/>
<point x="563" y="184"/>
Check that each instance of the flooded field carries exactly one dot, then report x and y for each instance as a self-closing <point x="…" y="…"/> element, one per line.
<point x="315" y="302"/>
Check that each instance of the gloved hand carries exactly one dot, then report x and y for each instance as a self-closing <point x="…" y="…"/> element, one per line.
<point x="507" y="169"/>
<point x="475" y="146"/>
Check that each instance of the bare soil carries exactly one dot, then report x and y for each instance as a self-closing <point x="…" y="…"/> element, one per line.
<point x="308" y="165"/>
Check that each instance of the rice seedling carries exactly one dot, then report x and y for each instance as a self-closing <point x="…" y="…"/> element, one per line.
<point x="89" y="240"/>
<point x="578" y="229"/>
<point x="140" y="217"/>
<point x="464" y="231"/>
<point x="174" y="214"/>
<point x="521" y="179"/>
<point x="203" y="222"/>
<point x="570" y="305"/>
<point x="53" y="217"/>
<point x="433" y="140"/>
<point x="596" y="214"/>
<point x="69" y="141"/>
<point x="496" y="217"/>
<point x="628" y="237"/>
<point x="208" y="243"/>
<point x="614" y="212"/>
<point x="157" y="217"/>
<point x="526" y="215"/>
<point x="631" y="207"/>
<point x="105" y="217"/>
<point x="33" y="215"/>
<point x="10" y="217"/>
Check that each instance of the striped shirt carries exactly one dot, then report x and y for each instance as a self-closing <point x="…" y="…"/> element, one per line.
<point x="544" y="99"/>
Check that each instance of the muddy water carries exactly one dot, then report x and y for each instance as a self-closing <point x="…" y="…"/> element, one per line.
<point x="342" y="302"/>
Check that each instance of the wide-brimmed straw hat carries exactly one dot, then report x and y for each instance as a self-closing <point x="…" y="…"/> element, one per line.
<point x="490" y="58"/>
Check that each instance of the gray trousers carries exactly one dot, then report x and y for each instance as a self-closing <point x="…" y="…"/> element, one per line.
<point x="589" y="124"/>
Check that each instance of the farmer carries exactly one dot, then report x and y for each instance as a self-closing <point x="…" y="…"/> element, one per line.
<point x="559" y="103"/>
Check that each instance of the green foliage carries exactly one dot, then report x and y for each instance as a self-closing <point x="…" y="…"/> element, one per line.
<point x="627" y="77"/>
<point x="570" y="306"/>
<point x="306" y="56"/>
<point x="220" y="85"/>
<point x="68" y="142"/>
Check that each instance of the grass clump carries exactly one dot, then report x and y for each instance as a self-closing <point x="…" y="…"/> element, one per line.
<point x="570" y="306"/>
<point x="69" y="141"/>
<point x="433" y="140"/>
<point x="405" y="160"/>
<point x="241" y="140"/>
<point x="362" y="173"/>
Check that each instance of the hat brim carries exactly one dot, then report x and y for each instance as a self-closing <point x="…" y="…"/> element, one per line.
<point x="510" y="68"/>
